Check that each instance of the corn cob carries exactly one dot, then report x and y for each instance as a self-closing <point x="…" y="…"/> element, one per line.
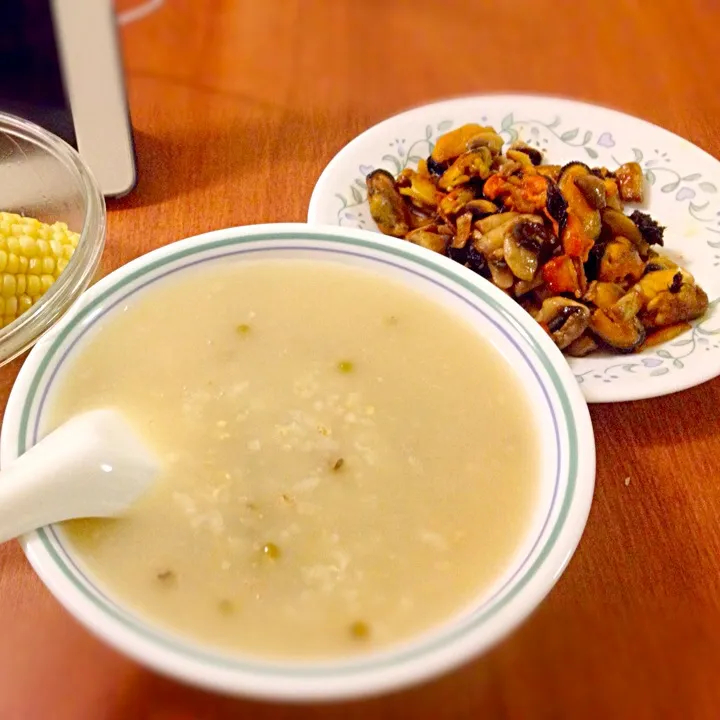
<point x="32" y="256"/>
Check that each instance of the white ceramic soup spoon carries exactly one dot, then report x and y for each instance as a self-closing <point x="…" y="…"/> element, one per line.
<point x="94" y="465"/>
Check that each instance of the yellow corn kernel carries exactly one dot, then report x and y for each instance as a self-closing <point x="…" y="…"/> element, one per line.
<point x="24" y="303"/>
<point x="8" y="285"/>
<point x="28" y="246"/>
<point x="32" y="256"/>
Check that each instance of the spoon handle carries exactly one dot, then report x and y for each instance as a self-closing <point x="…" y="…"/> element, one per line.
<point x="34" y="490"/>
<point x="93" y="465"/>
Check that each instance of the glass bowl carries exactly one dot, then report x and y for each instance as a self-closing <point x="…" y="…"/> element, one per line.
<point x="42" y="177"/>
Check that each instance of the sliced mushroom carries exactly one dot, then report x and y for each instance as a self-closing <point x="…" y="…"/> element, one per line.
<point x="387" y="207"/>
<point x="489" y="139"/>
<point x="488" y="243"/>
<point x="481" y="207"/>
<point x="630" y="181"/>
<point x="522" y="261"/>
<point x="622" y="334"/>
<point x="527" y="242"/>
<point x="612" y="194"/>
<point x="593" y="189"/>
<point x="432" y="241"/>
<point x="493" y="221"/>
<point x="616" y="223"/>
<point x="621" y="262"/>
<point x="522" y="287"/>
<point x="500" y="273"/>
<point x="565" y="320"/>
<point x="520" y="148"/>
<point x="508" y="168"/>
<point x="493" y="240"/>
<point x="581" y="347"/>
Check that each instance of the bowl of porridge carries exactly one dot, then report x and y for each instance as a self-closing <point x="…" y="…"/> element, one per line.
<point x="374" y="464"/>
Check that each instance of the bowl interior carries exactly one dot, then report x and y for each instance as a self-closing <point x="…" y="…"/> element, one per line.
<point x="566" y="469"/>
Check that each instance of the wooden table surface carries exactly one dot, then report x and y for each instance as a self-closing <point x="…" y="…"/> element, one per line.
<point x="237" y="106"/>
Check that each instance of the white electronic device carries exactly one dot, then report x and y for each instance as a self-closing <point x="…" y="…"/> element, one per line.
<point x="60" y="66"/>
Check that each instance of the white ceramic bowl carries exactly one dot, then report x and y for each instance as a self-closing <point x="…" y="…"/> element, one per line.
<point x="566" y="473"/>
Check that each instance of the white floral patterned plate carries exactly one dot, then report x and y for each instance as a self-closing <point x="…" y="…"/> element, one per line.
<point x="683" y="194"/>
